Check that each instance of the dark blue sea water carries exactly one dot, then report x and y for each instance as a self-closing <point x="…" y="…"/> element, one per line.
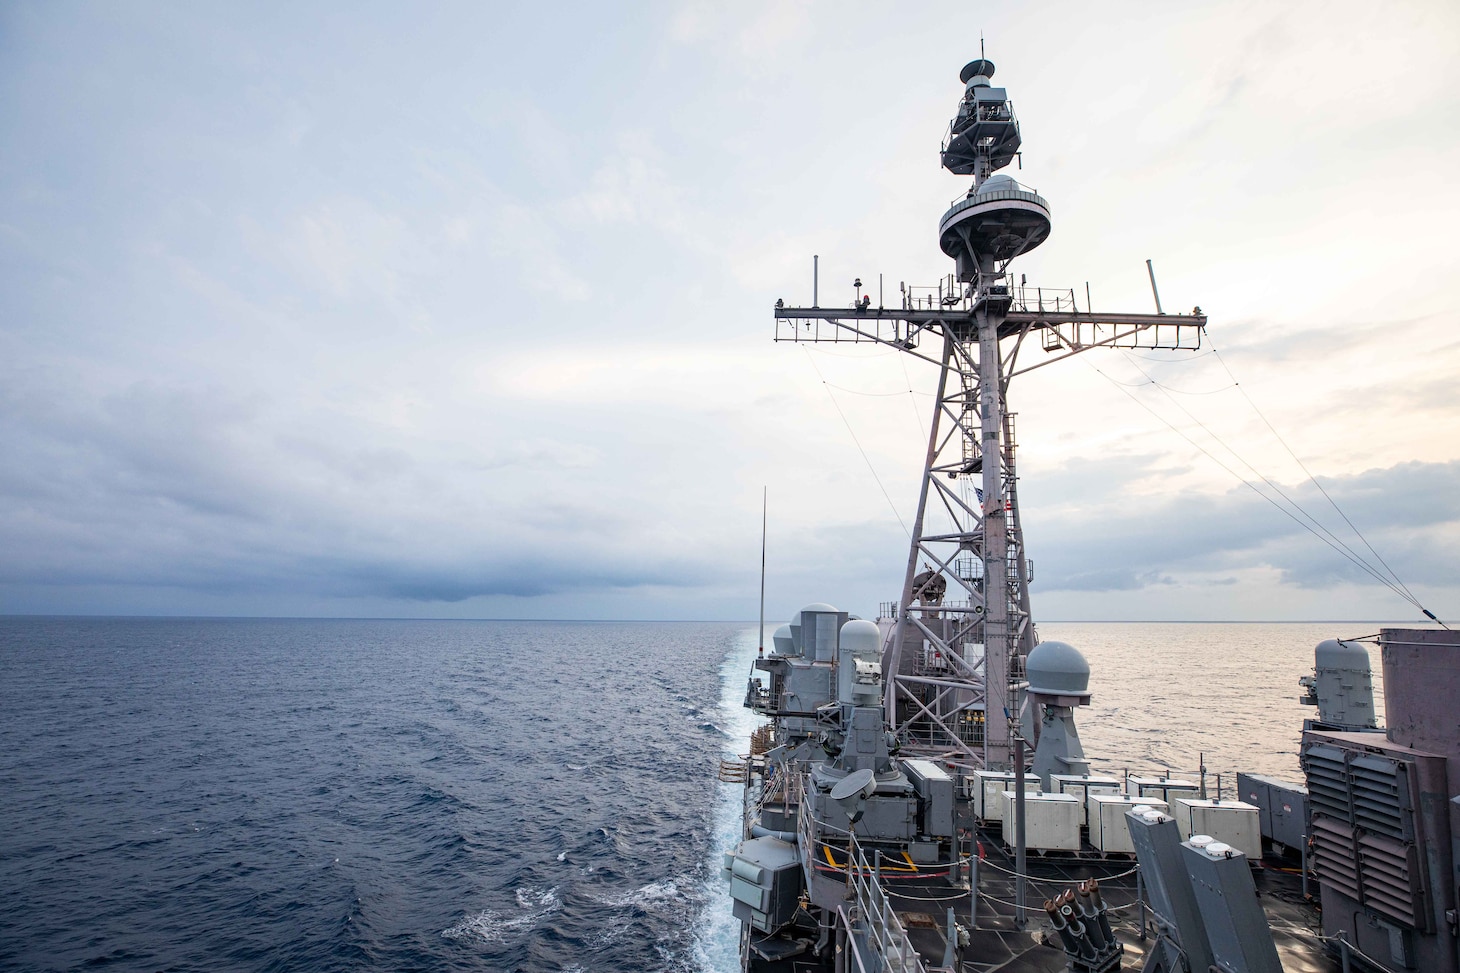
<point x="318" y="795"/>
<point x="439" y="795"/>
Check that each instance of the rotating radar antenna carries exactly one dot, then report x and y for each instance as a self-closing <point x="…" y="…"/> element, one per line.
<point x="953" y="658"/>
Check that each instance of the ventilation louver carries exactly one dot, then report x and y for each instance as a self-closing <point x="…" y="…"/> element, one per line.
<point x="1363" y="830"/>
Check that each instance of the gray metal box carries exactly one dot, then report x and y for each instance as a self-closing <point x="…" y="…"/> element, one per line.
<point x="1165" y="789"/>
<point x="885" y="817"/>
<point x="986" y="786"/>
<point x="1282" y="807"/>
<point x="935" y="787"/>
<point x="1082" y="786"/>
<point x="1232" y="822"/>
<point x="1236" y="927"/>
<point x="1108" y="828"/>
<point x="1051" y="821"/>
<point x="765" y="882"/>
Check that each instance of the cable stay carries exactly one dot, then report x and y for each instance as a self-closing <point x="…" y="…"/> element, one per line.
<point x="872" y="395"/>
<point x="865" y="458"/>
<point x="1304" y="467"/>
<point x="1260" y="475"/>
<point x="912" y="397"/>
<point x="1322" y="532"/>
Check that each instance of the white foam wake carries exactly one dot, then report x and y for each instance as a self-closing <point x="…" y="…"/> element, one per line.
<point x="494" y="927"/>
<point x="717" y="944"/>
<point x="653" y="892"/>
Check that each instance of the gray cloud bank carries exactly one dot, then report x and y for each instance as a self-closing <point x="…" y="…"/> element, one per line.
<point x="195" y="490"/>
<point x="371" y="311"/>
<point x="1097" y="533"/>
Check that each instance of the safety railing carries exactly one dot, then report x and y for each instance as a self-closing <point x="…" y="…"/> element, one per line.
<point x="877" y="940"/>
<point x="875" y="922"/>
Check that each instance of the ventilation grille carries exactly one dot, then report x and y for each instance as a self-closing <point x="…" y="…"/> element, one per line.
<point x="1363" y="831"/>
<point x="1386" y="866"/>
<point x="1333" y="856"/>
<point x="1380" y="796"/>
<point x="1327" y="781"/>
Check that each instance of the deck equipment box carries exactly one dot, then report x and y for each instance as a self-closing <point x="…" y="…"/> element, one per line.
<point x="1282" y="808"/>
<point x="1165" y="789"/>
<point x="1082" y="786"/>
<point x="1109" y="831"/>
<point x="1230" y="822"/>
<point x="986" y="786"/>
<point x="1051" y="821"/>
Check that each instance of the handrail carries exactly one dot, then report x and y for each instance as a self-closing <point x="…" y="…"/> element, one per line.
<point x="886" y="937"/>
<point x="1026" y="195"/>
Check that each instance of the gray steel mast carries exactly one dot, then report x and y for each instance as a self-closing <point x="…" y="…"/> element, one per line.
<point x="953" y="663"/>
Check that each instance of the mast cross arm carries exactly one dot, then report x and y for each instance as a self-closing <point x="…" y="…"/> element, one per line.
<point x="868" y="319"/>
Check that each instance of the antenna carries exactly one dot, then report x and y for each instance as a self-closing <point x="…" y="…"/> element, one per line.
<point x="760" y="633"/>
<point x="1154" y="293"/>
<point x="953" y="667"/>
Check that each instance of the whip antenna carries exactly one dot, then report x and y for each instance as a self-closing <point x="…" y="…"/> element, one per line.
<point x="761" y="631"/>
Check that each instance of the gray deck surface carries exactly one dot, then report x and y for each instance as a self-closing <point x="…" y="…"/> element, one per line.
<point x="997" y="945"/>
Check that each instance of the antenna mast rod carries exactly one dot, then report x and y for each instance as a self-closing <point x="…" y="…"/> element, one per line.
<point x="1154" y="293"/>
<point x="760" y="633"/>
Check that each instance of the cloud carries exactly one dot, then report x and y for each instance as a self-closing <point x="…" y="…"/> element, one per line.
<point x="1111" y="539"/>
<point x="195" y="489"/>
<point x="388" y="312"/>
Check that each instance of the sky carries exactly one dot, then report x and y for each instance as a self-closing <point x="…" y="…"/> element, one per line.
<point x="464" y="310"/>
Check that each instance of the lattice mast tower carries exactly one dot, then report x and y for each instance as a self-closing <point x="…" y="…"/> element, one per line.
<point x="953" y="659"/>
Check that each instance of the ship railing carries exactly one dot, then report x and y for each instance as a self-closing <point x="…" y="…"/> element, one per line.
<point x="874" y="921"/>
<point x="1023" y="193"/>
<point x="951" y="293"/>
<point x="1043" y="300"/>
<point x="971" y="111"/>
<point x="767" y="703"/>
<point x="767" y="786"/>
<point x="877" y="938"/>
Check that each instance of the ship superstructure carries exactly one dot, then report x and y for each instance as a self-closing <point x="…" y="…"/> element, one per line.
<point x="910" y="764"/>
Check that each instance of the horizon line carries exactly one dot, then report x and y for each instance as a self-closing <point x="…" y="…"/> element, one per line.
<point x="751" y="622"/>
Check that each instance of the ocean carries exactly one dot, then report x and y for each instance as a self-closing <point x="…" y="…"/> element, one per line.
<point x="236" y="794"/>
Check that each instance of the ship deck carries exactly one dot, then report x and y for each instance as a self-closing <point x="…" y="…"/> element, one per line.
<point x="997" y="944"/>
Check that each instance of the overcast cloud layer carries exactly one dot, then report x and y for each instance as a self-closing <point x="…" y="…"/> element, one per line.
<point x="466" y="312"/>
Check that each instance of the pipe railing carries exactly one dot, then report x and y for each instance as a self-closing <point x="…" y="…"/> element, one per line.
<point x="877" y="939"/>
<point x="883" y="930"/>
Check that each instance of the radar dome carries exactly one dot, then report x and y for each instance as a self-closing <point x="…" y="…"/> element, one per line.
<point x="782" y="640"/>
<point x="1000" y="183"/>
<point x="861" y="637"/>
<point x="1057" y="669"/>
<point x="818" y="606"/>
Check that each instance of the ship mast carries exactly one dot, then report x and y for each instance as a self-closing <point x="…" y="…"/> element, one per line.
<point x="953" y="661"/>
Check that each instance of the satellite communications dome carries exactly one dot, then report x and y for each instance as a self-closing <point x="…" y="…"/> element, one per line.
<point x="782" y="640"/>
<point x="1000" y="183"/>
<point x="818" y="606"/>
<point x="1057" y="669"/>
<point x="862" y="637"/>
